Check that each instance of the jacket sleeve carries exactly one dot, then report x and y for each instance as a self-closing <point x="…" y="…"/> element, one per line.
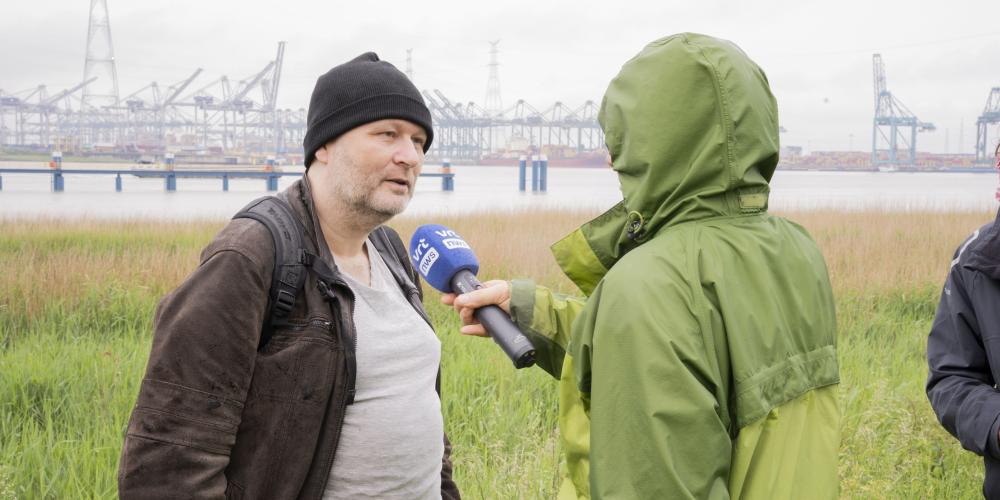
<point x="960" y="385"/>
<point x="184" y="422"/>
<point x="546" y="318"/>
<point x="653" y="405"/>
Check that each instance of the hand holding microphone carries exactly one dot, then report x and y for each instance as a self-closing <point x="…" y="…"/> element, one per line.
<point x="492" y="292"/>
<point x="445" y="260"/>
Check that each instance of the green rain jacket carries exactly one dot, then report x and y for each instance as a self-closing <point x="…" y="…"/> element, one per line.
<point x="703" y="362"/>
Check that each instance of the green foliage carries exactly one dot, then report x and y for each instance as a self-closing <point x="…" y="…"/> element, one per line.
<point x="64" y="402"/>
<point x="108" y="311"/>
<point x="501" y="421"/>
<point x="6" y="488"/>
<point x="891" y="444"/>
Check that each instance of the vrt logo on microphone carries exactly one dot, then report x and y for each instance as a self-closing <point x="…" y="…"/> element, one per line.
<point x="453" y="243"/>
<point x="428" y="261"/>
<point x="418" y="249"/>
<point x="451" y="240"/>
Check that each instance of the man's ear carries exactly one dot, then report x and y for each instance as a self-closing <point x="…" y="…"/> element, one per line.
<point x="323" y="155"/>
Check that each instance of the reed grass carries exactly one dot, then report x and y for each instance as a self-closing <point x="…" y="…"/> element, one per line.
<point x="77" y="299"/>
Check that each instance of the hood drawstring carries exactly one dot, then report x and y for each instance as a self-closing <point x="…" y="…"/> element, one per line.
<point x="635" y="226"/>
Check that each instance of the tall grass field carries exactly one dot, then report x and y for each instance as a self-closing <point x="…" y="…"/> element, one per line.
<point x="77" y="301"/>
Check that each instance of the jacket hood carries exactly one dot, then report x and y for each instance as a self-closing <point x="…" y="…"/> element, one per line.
<point x="692" y="128"/>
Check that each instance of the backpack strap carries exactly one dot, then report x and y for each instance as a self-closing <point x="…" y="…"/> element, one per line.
<point x="291" y="260"/>
<point x="387" y="242"/>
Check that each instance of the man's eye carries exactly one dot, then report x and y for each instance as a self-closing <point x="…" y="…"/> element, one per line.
<point x="419" y="141"/>
<point x="389" y="133"/>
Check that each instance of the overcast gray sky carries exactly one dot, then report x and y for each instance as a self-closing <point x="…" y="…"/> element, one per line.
<point x="941" y="58"/>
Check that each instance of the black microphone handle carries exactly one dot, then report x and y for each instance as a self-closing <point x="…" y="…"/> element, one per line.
<point x="503" y="331"/>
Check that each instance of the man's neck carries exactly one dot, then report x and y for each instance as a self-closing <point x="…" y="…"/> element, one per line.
<point x="345" y="231"/>
<point x="343" y="234"/>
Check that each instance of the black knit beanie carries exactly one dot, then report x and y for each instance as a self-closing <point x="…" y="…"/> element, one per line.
<point x="357" y="92"/>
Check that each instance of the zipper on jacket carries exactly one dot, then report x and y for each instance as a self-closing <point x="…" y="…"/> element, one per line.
<point x="339" y="425"/>
<point x="347" y="330"/>
<point x="349" y="353"/>
<point x="321" y="322"/>
<point x="352" y="363"/>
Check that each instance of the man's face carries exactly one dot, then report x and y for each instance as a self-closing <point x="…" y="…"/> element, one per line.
<point x="373" y="168"/>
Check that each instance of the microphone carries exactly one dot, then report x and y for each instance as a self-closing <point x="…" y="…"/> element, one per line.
<point x="447" y="263"/>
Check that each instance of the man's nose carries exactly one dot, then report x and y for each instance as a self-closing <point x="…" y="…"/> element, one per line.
<point x="408" y="153"/>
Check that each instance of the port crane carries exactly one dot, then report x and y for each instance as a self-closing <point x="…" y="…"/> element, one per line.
<point x="990" y="116"/>
<point x="894" y="128"/>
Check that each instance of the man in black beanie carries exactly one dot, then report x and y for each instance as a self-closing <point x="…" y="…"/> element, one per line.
<point x="360" y="91"/>
<point x="339" y="400"/>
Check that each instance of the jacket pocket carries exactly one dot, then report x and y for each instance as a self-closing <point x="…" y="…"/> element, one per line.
<point x="294" y="365"/>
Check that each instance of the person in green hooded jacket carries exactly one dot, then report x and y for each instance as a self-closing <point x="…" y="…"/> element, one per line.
<point x="702" y="362"/>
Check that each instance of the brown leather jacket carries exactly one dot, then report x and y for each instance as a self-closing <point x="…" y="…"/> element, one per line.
<point x="218" y="418"/>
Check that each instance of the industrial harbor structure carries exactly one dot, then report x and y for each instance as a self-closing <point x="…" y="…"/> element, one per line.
<point x="239" y="121"/>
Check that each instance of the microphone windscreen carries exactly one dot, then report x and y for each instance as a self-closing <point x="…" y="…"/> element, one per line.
<point x="438" y="253"/>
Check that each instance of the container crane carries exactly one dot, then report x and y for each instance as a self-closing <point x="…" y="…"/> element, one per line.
<point x="889" y="128"/>
<point x="990" y="116"/>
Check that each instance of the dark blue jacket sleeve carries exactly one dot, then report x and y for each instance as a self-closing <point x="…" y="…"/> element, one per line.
<point x="961" y="383"/>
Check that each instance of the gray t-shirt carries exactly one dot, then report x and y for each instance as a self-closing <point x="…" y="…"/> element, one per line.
<point x="391" y="442"/>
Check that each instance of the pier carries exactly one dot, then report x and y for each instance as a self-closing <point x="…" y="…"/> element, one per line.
<point x="169" y="177"/>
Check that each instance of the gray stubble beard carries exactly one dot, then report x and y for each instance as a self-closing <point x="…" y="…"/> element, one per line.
<point x="365" y="211"/>
<point x="367" y="215"/>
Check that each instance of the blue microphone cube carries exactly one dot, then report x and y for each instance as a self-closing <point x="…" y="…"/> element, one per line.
<point x="438" y="253"/>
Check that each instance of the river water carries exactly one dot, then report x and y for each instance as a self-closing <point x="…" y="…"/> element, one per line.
<point x="485" y="189"/>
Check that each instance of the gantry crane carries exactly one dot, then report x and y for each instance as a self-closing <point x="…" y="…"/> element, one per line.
<point x="990" y="116"/>
<point x="889" y="128"/>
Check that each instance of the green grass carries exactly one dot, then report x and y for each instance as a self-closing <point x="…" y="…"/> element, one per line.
<point x="891" y="444"/>
<point x="76" y="305"/>
<point x="69" y="377"/>
<point x="64" y="410"/>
